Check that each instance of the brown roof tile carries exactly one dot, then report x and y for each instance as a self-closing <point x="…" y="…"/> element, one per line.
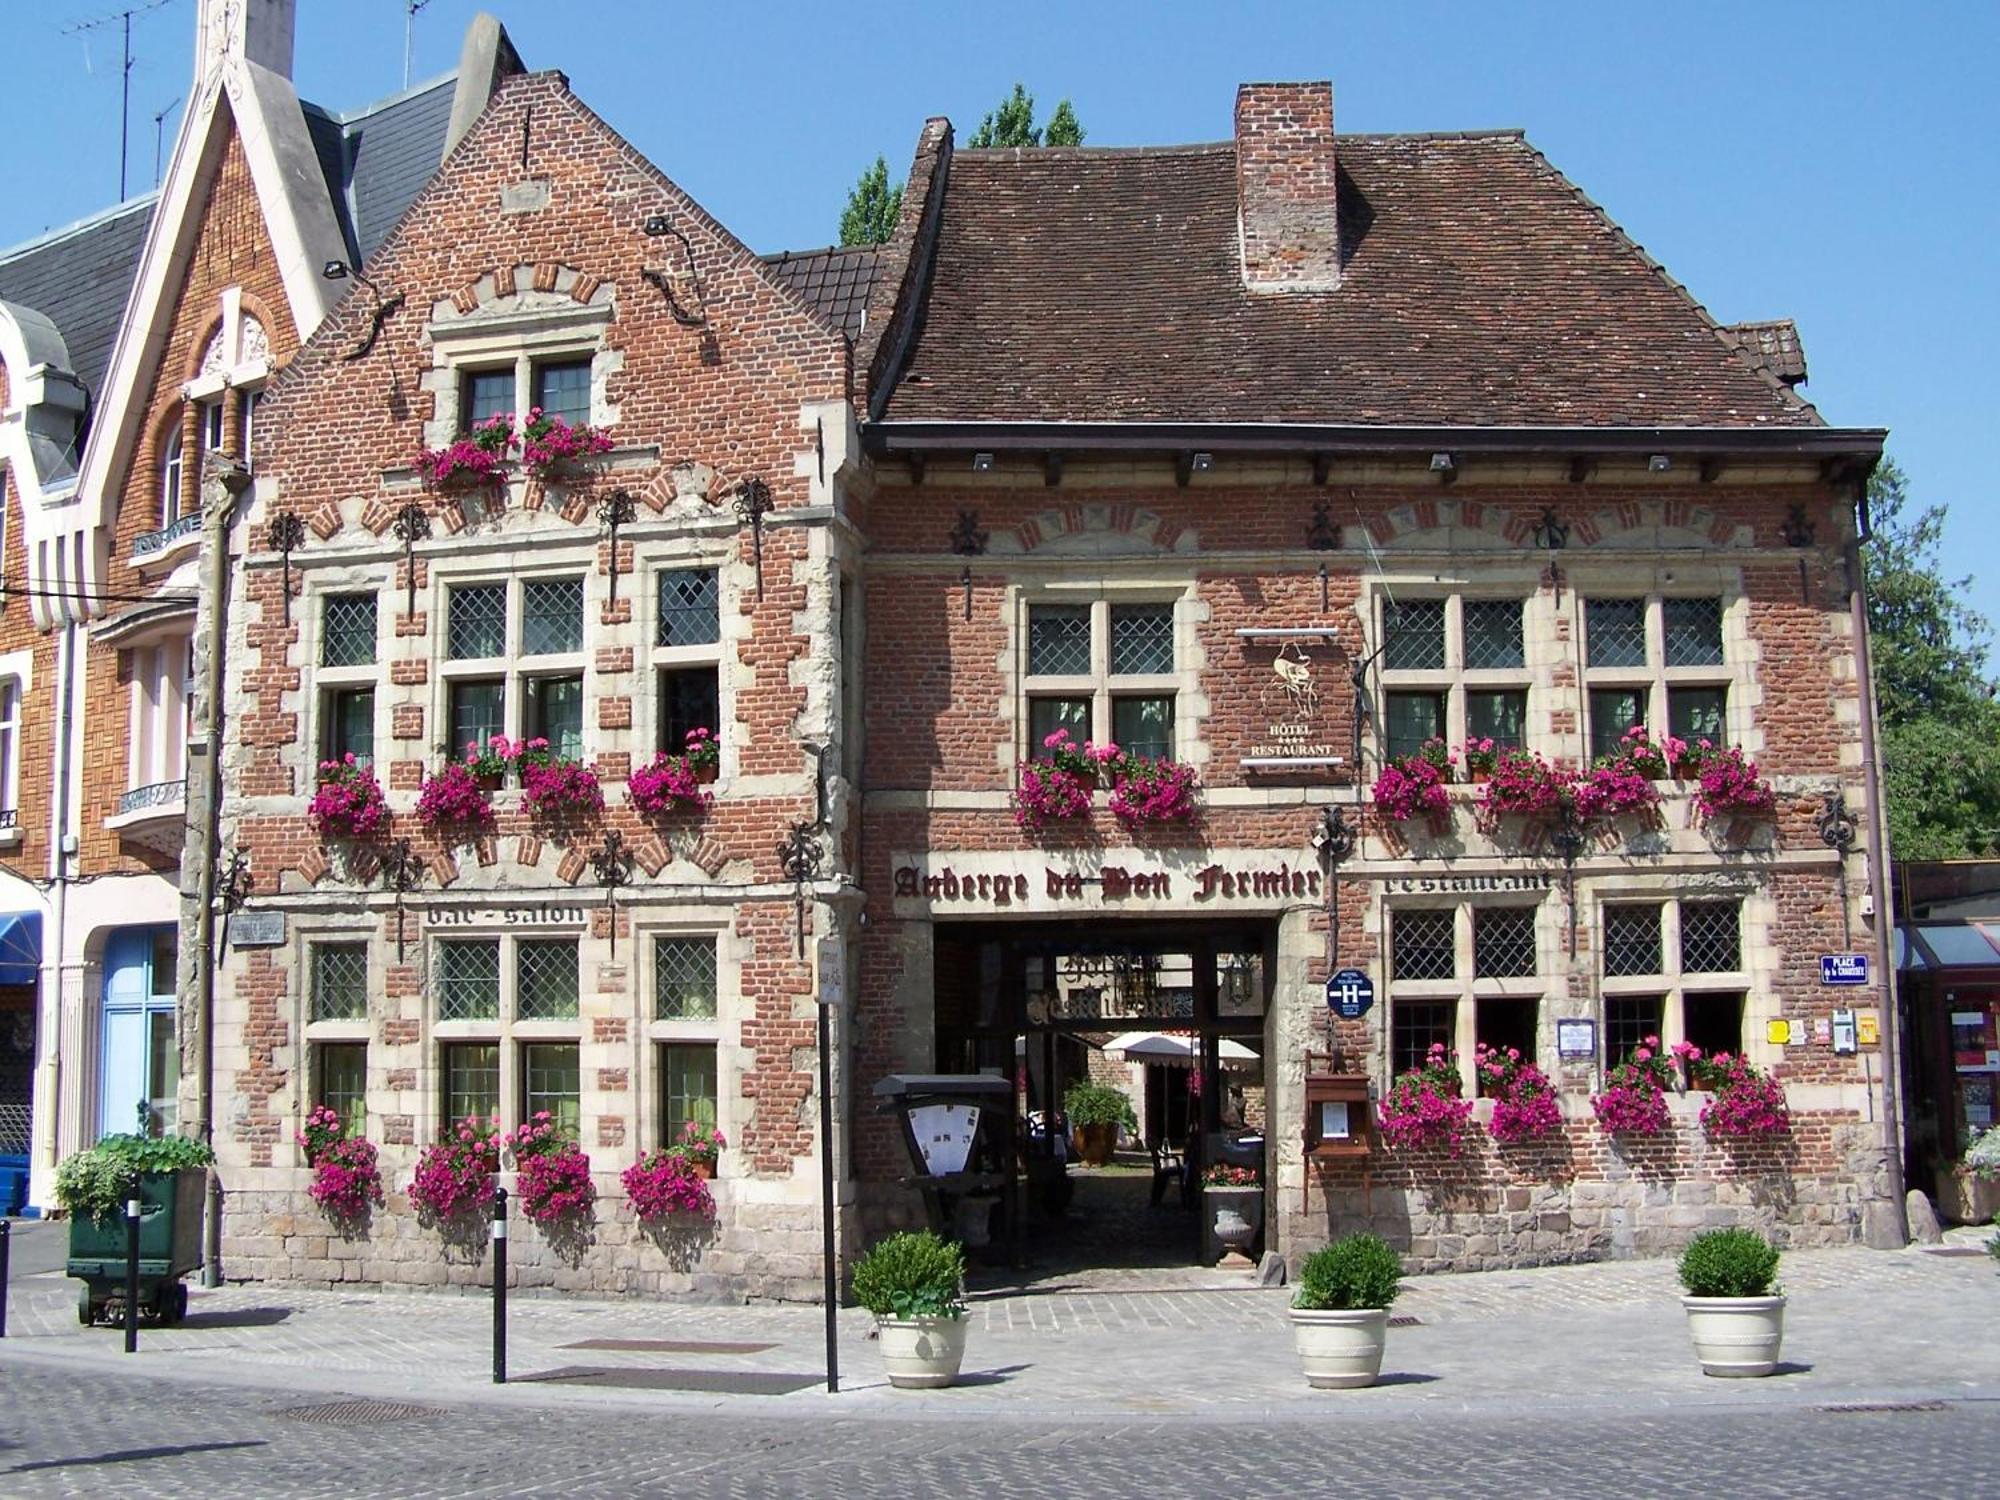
<point x="1773" y="343"/>
<point x="1479" y="288"/>
<point x="835" y="283"/>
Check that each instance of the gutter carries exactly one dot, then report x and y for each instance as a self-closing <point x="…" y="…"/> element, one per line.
<point x="1851" y="443"/>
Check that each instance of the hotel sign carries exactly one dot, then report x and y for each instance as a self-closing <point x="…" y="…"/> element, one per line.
<point x="1113" y="881"/>
<point x="1291" y="708"/>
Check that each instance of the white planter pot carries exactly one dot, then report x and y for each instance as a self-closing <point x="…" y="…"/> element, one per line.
<point x="1736" y="1336"/>
<point x="921" y="1353"/>
<point x="1340" y="1350"/>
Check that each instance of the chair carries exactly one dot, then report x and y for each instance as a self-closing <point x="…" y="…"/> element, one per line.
<point x="1168" y="1166"/>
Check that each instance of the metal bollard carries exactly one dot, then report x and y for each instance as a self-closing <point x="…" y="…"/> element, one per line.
<point x="132" y="1207"/>
<point x="500" y="1287"/>
<point x="6" y="1237"/>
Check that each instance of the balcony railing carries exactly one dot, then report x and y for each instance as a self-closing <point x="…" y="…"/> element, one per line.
<point x="159" y="794"/>
<point x="159" y="541"/>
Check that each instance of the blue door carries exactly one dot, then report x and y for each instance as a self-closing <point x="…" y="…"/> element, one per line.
<point x="139" y="1072"/>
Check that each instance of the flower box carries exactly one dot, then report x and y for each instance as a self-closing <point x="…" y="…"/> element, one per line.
<point x="556" y="451"/>
<point x="453" y="798"/>
<point x="1413" y="786"/>
<point x="348" y="802"/>
<point x="475" y="461"/>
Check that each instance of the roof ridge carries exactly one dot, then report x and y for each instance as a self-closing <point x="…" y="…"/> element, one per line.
<point x="77" y="226"/>
<point x="361" y="112"/>
<point x="819" y="250"/>
<point x="1788" y="399"/>
<point x="1202" y="148"/>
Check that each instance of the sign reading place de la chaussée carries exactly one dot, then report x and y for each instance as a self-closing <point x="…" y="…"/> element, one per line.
<point x="975" y="881"/>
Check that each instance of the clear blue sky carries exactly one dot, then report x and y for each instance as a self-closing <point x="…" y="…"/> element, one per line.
<point x="1831" y="162"/>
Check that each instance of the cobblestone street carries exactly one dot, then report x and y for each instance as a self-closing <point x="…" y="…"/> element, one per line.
<point x="1106" y="1381"/>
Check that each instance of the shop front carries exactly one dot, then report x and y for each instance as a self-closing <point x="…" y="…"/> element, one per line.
<point x="1949" y="976"/>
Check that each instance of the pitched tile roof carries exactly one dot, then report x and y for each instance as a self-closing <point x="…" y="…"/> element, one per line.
<point x="78" y="278"/>
<point x="835" y="283"/>
<point x="1479" y="288"/>
<point x="1773" y="343"/>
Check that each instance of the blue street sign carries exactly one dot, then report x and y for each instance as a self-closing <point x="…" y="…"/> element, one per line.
<point x="1349" y="994"/>
<point x="1843" y="968"/>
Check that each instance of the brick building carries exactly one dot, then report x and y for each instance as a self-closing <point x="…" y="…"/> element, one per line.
<point x="139" y="344"/>
<point x="1275" y="458"/>
<point x="1280" y="457"/>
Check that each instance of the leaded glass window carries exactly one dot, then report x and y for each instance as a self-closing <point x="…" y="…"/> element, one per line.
<point x="562" y="389"/>
<point x="553" y="711"/>
<point x="1422" y="943"/>
<point x="687" y="1091"/>
<point x="1693" y="632"/>
<point x="690" y="608"/>
<point x="477" y="621"/>
<point x="339" y="982"/>
<point x="551" y="616"/>
<point x="1493" y="634"/>
<point x="1142" y="640"/>
<point x="1143" y="726"/>
<point x="1613" y="711"/>
<point x="347" y="630"/>
<point x="1415" y="1027"/>
<point x="1411" y="719"/>
<point x="545" y="979"/>
<point x="487" y="394"/>
<point x="468" y="979"/>
<point x="471" y="1081"/>
<point x="684" y="978"/>
<point x="1059" y="640"/>
<point x="343" y="1082"/>
<point x="551" y="1081"/>
<point x="1631" y="940"/>
<point x="1628" y="1021"/>
<point x="1413" y="635"/>
<point x="1695" y="714"/>
<point x="1501" y="717"/>
<point x="1503" y="941"/>
<point x="1710" y="939"/>
<point x="1617" y="630"/>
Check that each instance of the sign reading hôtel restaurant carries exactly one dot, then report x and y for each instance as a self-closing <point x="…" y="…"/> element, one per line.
<point x="1113" y="880"/>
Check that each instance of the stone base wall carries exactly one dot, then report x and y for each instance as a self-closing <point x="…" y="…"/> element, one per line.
<point x="751" y="1251"/>
<point x="1589" y="1198"/>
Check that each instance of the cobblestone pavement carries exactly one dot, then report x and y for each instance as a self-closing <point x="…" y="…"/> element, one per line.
<point x="72" y="1432"/>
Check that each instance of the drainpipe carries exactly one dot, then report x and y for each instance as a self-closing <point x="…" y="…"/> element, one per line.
<point x="223" y="481"/>
<point x="1895" y="1234"/>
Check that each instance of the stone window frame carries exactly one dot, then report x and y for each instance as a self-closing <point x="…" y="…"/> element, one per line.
<point x="1466" y="989"/>
<point x="650" y="1096"/>
<point x="523" y="330"/>
<point x="157" y="699"/>
<point x="316" y="1034"/>
<point x="1656" y="678"/>
<point x="1182" y="684"/>
<point x="506" y="1030"/>
<point x="326" y="682"/>
<point x="1454" y="681"/>
<point x="17" y="676"/>
<point x="1672" y="984"/>
<point x="512" y="668"/>
<point x="651" y="658"/>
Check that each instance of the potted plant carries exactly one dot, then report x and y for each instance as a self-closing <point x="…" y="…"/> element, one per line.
<point x="667" y="784"/>
<point x="347" y="1182"/>
<point x="1233" y="1199"/>
<point x="1744" y="1102"/>
<point x="454" y="1180"/>
<point x="1413" y="785"/>
<point x="1096" y="1114"/>
<point x="452" y="798"/>
<point x="555" y="450"/>
<point x="914" y="1285"/>
<point x="552" y="1171"/>
<point x="1340" y="1313"/>
<point x="489" y="762"/>
<point x="1525" y="785"/>
<point x="348" y="802"/>
<point x="1736" y="1313"/>
<point x="475" y="461"/>
<point x="700" y="1145"/>
<point x="1480" y="755"/>
<point x="168" y="1177"/>
<point x="556" y="789"/>
<point x="1634" y="1098"/>
<point x="1153" y="791"/>
<point x="704" y="753"/>
<point x="663" y="1183"/>
<point x="1730" y="787"/>
<point x="1058" y="785"/>
<point x="1525" y="1107"/>
<point x="1969" y="1189"/>
<point x="1423" y="1106"/>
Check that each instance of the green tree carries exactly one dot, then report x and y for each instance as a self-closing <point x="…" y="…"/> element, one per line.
<point x="1939" y="725"/>
<point x="872" y="208"/>
<point x="1013" y="124"/>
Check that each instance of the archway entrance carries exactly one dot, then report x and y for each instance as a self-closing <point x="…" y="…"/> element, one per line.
<point x="1169" y="1018"/>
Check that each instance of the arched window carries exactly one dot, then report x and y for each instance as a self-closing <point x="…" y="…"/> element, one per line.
<point x="170" y="479"/>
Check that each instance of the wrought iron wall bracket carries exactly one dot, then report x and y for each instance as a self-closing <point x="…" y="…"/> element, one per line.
<point x="753" y="503"/>
<point x="402" y="872"/>
<point x="1838" y="831"/>
<point x="412" y="525"/>
<point x="286" y="533"/>
<point x="613" y="863"/>
<point x="616" y="510"/>
<point x="1568" y="837"/>
<point x="799" y="856"/>
<point x="967" y="540"/>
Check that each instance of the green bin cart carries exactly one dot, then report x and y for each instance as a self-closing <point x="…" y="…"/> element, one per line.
<point x="170" y="1210"/>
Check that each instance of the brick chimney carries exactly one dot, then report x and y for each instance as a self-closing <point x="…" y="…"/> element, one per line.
<point x="1286" y="221"/>
<point x="260" y="31"/>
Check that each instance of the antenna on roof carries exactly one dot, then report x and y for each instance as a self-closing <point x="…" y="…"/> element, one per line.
<point x="410" y="9"/>
<point x="124" y="20"/>
<point x="159" y="127"/>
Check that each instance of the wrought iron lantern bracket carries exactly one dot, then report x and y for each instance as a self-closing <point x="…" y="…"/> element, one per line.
<point x="402" y="872"/>
<point x="616" y="510"/>
<point x="286" y="533"/>
<point x="412" y="525"/>
<point x="613" y="863"/>
<point x="753" y="503"/>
